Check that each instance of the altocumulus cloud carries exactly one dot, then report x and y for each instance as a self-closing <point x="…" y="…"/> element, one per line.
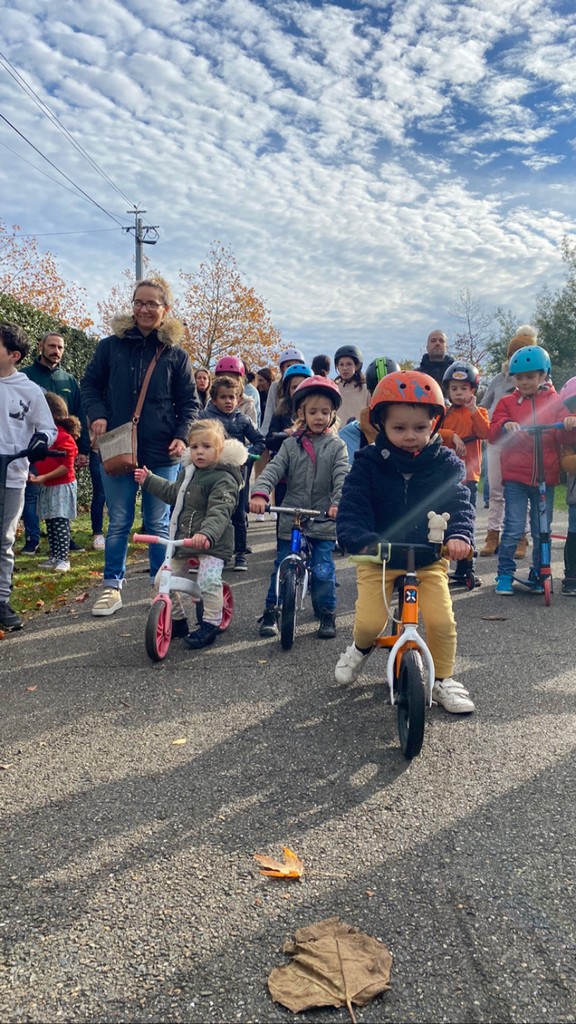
<point x="364" y="162"/>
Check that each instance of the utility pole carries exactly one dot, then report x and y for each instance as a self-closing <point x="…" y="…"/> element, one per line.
<point x="141" y="238"/>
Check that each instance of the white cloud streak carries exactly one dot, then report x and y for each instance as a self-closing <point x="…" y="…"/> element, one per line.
<point x="365" y="164"/>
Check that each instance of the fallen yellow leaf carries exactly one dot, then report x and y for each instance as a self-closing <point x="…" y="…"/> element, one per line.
<point x="292" y="867"/>
<point x="179" y="743"/>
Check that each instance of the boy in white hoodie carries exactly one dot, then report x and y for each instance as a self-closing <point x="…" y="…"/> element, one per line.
<point x="25" y="420"/>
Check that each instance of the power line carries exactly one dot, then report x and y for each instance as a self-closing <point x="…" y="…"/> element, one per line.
<point x="44" y="157"/>
<point x="45" y="173"/>
<point x="45" y="109"/>
<point x="51" y="234"/>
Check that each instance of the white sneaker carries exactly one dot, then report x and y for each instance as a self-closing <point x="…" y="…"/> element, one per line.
<point x="48" y="564"/>
<point x="99" y="542"/>
<point x="273" y="516"/>
<point x="61" y="566"/>
<point x="452" y="696"/>
<point x="110" y="601"/>
<point x="261" y="517"/>
<point x="349" y="664"/>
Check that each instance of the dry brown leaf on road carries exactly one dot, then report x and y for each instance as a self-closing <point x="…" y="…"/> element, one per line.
<point x="80" y="598"/>
<point x="292" y="867"/>
<point x="333" y="964"/>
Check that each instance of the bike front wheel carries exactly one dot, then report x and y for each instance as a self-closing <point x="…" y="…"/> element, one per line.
<point x="288" y="596"/>
<point x="411" y="704"/>
<point x="158" y="631"/>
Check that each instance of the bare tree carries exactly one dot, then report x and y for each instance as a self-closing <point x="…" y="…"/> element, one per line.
<point x="478" y="332"/>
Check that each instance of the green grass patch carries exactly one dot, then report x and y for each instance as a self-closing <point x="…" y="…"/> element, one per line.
<point x="36" y="591"/>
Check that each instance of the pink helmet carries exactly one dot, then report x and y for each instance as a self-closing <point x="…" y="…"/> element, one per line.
<point x="317" y="386"/>
<point x="230" y="364"/>
<point x="568" y="394"/>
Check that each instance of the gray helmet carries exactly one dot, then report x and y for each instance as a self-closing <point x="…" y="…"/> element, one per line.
<point x="350" y="352"/>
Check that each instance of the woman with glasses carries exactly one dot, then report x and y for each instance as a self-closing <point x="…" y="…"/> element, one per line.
<point x="110" y="389"/>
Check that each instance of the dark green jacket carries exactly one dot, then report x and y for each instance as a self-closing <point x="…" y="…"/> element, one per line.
<point x="62" y="383"/>
<point x="208" y="501"/>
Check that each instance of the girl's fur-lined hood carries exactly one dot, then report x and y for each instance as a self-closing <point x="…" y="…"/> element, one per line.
<point x="170" y="332"/>
<point x="234" y="453"/>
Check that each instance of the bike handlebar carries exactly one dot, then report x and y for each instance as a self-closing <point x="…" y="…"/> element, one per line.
<point x="539" y="428"/>
<point x="149" y="538"/>
<point x="383" y="550"/>
<point x="294" y="511"/>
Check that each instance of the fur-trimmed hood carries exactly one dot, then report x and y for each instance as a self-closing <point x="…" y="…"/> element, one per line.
<point x="234" y="453"/>
<point x="170" y="332"/>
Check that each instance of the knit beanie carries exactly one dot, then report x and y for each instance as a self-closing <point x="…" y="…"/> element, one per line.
<point x="525" y="335"/>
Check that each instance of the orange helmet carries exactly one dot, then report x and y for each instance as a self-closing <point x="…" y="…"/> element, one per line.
<point x="409" y="386"/>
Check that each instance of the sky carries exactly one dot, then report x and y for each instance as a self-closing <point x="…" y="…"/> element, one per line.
<point x="365" y="162"/>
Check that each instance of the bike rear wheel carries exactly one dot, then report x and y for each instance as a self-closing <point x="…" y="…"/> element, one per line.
<point x="158" y="632"/>
<point x="411" y="704"/>
<point x="288" y="594"/>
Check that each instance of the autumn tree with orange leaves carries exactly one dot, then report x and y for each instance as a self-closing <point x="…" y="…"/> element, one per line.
<point x="31" y="277"/>
<point x="223" y="316"/>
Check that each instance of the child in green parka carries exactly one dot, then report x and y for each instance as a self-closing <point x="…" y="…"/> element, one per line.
<point x="204" y="497"/>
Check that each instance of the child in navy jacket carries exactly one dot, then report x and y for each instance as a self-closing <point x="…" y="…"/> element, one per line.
<point x="390" y="489"/>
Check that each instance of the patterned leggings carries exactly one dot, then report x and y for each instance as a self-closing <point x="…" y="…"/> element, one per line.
<point x="58" y="531"/>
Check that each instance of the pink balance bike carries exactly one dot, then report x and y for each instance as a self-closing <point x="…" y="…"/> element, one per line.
<point x="158" y="633"/>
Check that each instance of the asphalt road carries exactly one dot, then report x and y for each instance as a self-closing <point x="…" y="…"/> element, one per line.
<point x="129" y="890"/>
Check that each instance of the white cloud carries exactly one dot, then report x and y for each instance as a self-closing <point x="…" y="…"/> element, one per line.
<point x="364" y="164"/>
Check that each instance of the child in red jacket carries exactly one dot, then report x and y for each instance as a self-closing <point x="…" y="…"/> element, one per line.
<point x="56" y="481"/>
<point x="464" y="428"/>
<point x="534" y="401"/>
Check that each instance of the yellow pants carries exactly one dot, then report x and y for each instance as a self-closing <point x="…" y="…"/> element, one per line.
<point x="435" y="606"/>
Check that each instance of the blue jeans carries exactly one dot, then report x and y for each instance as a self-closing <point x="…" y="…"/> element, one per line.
<point x="98" y="499"/>
<point x="120" y="493"/>
<point x="516" y="498"/>
<point x="30" y="513"/>
<point x="323" y="574"/>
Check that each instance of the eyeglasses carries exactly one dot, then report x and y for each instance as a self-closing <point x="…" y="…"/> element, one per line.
<point x="152" y="306"/>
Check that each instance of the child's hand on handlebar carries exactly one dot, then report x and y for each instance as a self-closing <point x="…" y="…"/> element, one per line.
<point x="332" y="511"/>
<point x="511" y="426"/>
<point x="570" y="423"/>
<point x="200" y="542"/>
<point x="258" y="505"/>
<point x="457" y="549"/>
<point x="140" y="475"/>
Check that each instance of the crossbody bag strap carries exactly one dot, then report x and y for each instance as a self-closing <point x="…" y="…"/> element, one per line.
<point x="140" y="402"/>
<point x="145" y="383"/>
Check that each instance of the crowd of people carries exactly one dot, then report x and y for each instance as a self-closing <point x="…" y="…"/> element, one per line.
<point x="373" y="448"/>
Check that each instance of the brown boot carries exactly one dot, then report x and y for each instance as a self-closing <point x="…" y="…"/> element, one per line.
<point x="521" y="548"/>
<point x="490" y="544"/>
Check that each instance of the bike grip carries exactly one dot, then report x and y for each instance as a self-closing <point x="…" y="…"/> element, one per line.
<point x="382" y="554"/>
<point x="145" y="538"/>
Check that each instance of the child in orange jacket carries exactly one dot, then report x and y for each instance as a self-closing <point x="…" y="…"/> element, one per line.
<point x="464" y="428"/>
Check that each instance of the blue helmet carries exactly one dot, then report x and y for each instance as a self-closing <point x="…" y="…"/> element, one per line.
<point x="297" y="370"/>
<point x="529" y="358"/>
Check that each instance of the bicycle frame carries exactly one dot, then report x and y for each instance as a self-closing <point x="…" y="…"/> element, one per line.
<point x="408" y="635"/>
<point x="296" y="557"/>
<point x="166" y="582"/>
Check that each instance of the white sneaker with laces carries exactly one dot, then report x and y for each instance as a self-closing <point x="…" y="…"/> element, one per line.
<point x="452" y="696"/>
<point x="110" y="601"/>
<point x="261" y="517"/>
<point x="349" y="664"/>
<point x="99" y="542"/>
<point x="62" y="566"/>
